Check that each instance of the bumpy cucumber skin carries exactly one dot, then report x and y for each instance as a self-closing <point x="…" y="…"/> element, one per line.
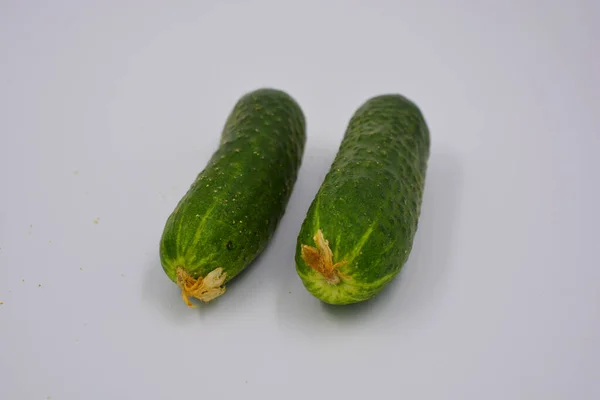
<point x="369" y="203"/>
<point x="231" y="211"/>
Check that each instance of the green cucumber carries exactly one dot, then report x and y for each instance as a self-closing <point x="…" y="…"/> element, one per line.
<point x="359" y="229"/>
<point x="232" y="209"/>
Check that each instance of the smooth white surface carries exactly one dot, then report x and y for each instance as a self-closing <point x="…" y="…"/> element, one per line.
<point x="109" y="110"/>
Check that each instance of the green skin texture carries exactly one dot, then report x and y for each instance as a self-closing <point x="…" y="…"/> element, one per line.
<point x="233" y="207"/>
<point x="370" y="201"/>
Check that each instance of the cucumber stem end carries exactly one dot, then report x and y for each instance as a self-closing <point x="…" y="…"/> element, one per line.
<point x="204" y="289"/>
<point x="321" y="259"/>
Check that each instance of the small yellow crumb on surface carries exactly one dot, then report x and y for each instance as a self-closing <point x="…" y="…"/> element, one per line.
<point x="96" y="221"/>
<point x="39" y="285"/>
<point x="1" y="302"/>
<point x="81" y="269"/>
<point x="76" y="172"/>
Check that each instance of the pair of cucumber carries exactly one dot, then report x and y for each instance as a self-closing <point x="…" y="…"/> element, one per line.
<point x="359" y="229"/>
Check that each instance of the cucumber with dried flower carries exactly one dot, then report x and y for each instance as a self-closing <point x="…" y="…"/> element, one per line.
<point x="359" y="229"/>
<point x="232" y="209"/>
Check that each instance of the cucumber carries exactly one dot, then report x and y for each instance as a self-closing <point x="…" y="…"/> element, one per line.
<point x="359" y="229"/>
<point x="232" y="209"/>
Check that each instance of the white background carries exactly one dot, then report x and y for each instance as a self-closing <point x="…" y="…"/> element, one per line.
<point x="108" y="110"/>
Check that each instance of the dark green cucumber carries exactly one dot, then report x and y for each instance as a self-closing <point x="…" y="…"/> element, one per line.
<point x="231" y="211"/>
<point x="359" y="229"/>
